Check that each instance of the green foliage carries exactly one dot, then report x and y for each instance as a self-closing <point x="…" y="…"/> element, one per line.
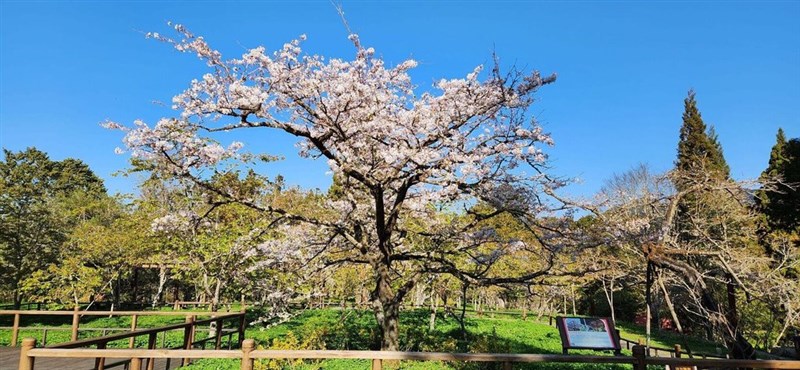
<point x="40" y="202"/>
<point x="781" y="202"/>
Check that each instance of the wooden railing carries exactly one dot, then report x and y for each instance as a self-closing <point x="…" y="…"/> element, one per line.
<point x="76" y="316"/>
<point x="23" y="306"/>
<point x="677" y="351"/>
<point x="248" y="355"/>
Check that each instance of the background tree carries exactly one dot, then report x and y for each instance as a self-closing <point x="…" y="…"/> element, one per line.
<point x="712" y="217"/>
<point x="33" y="189"/>
<point x="781" y="202"/>
<point x="698" y="147"/>
<point x="92" y="257"/>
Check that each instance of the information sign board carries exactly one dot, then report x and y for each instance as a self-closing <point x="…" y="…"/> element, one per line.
<point x="597" y="333"/>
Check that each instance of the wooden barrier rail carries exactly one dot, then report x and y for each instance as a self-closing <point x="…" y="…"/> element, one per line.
<point x="676" y="352"/>
<point x="189" y="338"/>
<point x="189" y="341"/>
<point x="639" y="360"/>
<point x="190" y="324"/>
<point x="77" y="314"/>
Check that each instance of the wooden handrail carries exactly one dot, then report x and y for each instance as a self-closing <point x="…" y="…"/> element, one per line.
<point x="724" y="363"/>
<point x="672" y="351"/>
<point x="140" y="332"/>
<point x="76" y="314"/>
<point x="409" y="356"/>
<point x="107" y="313"/>
<point x="125" y="353"/>
<point x="438" y="356"/>
<point x="55" y="328"/>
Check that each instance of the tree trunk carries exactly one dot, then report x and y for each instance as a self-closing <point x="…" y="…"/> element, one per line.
<point x="162" y="280"/>
<point x="609" y="292"/>
<point x="740" y="347"/>
<point x="572" y="296"/>
<point x="648" y="301"/>
<point x="419" y="296"/>
<point x="17" y="297"/>
<point x="135" y="285"/>
<point x="215" y="299"/>
<point x="525" y="309"/>
<point x="116" y="291"/>
<point x="670" y="306"/>
<point x="387" y="309"/>
<point x="432" y="321"/>
<point x="462" y="314"/>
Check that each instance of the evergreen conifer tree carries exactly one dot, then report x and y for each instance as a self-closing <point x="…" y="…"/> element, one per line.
<point x="710" y="218"/>
<point x="698" y="148"/>
<point x="781" y="203"/>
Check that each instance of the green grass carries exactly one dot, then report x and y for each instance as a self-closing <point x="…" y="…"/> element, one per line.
<point x="666" y="339"/>
<point x="356" y="330"/>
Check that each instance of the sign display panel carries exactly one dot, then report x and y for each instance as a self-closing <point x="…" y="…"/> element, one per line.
<point x="587" y="333"/>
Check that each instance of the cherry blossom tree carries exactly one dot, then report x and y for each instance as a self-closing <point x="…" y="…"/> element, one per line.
<point x="400" y="156"/>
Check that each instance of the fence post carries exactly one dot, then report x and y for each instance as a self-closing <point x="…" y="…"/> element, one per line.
<point x="678" y="355"/>
<point x="25" y="362"/>
<point x="136" y="363"/>
<point x="639" y="354"/>
<point x="151" y="344"/>
<point x="15" y="330"/>
<point x="242" y="325"/>
<point x="193" y="331"/>
<point x="134" y="320"/>
<point x="247" y="347"/>
<point x="377" y="364"/>
<point x="75" y="323"/>
<point x="796" y="340"/>
<point x="100" y="362"/>
<point x="188" y="336"/>
<point x="218" y="335"/>
<point x="507" y="365"/>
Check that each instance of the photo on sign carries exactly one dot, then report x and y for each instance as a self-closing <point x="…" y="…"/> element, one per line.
<point x="588" y="332"/>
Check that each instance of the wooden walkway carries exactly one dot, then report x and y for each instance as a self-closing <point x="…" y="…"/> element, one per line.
<point x="9" y="360"/>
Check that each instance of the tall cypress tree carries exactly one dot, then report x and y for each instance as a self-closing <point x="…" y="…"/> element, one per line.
<point x="706" y="211"/>
<point x="700" y="164"/>
<point x="698" y="148"/>
<point x="781" y="203"/>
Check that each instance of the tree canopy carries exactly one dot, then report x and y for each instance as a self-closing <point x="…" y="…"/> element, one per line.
<point x="37" y="210"/>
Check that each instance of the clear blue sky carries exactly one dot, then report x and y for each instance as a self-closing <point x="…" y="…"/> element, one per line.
<point x="624" y="69"/>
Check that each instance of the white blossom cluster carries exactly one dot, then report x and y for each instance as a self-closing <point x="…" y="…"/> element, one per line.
<point x="360" y="114"/>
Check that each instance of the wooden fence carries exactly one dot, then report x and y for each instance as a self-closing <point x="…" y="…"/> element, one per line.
<point x="248" y="355"/>
<point x="77" y="314"/>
